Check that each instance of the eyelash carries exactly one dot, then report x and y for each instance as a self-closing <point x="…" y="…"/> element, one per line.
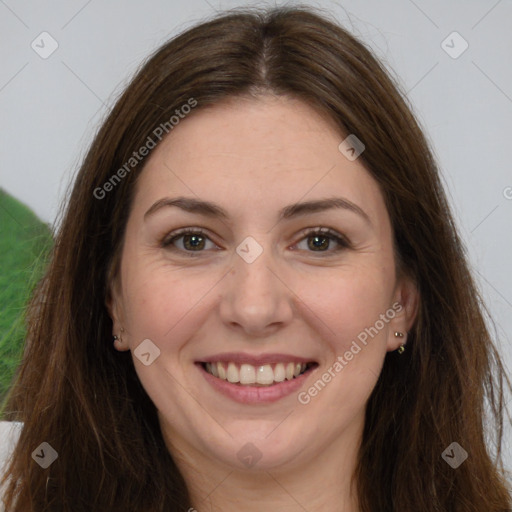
<point x="343" y="243"/>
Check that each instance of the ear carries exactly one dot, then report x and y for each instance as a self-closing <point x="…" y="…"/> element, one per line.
<point x="406" y="305"/>
<point x="114" y="305"/>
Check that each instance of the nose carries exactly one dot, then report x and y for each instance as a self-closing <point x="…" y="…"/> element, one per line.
<point x="255" y="297"/>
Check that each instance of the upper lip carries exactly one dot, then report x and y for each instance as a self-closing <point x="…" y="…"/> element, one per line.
<point x="255" y="360"/>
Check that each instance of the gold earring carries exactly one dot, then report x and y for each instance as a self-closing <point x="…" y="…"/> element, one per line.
<point x="401" y="348"/>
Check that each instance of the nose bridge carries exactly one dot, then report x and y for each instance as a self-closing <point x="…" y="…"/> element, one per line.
<point x="252" y="270"/>
<point x="251" y="274"/>
<point x="255" y="298"/>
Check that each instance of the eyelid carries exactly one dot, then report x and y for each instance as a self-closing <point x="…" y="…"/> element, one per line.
<point x="170" y="237"/>
<point x="340" y="239"/>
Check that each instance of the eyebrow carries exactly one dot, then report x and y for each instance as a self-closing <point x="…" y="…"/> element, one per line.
<point x="212" y="210"/>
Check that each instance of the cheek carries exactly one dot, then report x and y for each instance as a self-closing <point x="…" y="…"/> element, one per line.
<point x="350" y="323"/>
<point x="348" y="301"/>
<point x="164" y="306"/>
<point x="160" y="302"/>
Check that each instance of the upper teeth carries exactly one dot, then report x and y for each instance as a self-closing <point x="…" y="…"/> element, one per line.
<point x="265" y="374"/>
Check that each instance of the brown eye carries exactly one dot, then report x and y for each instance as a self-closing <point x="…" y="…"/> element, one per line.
<point x="187" y="241"/>
<point x="320" y="240"/>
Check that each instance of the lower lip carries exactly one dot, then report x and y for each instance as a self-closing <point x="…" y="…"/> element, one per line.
<point x="256" y="394"/>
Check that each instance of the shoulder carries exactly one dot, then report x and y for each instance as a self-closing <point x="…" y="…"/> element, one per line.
<point x="9" y="433"/>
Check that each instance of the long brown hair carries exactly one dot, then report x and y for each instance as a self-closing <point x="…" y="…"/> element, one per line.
<point x="75" y="392"/>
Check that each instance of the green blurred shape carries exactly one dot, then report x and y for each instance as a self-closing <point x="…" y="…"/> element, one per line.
<point x="25" y="242"/>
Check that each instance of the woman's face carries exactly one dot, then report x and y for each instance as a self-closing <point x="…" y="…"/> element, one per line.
<point x="258" y="292"/>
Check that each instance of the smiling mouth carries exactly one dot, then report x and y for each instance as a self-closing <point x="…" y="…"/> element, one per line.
<point x="265" y="375"/>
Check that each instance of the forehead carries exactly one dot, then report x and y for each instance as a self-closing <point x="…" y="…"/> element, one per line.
<point x="279" y="130"/>
<point x="270" y="149"/>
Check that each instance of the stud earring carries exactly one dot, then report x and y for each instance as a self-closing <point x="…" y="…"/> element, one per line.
<point x="117" y="338"/>
<point x="401" y="348"/>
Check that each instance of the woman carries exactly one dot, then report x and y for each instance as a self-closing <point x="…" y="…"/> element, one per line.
<point x="257" y="297"/>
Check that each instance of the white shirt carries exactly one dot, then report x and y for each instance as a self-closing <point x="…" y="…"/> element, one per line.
<point x="9" y="433"/>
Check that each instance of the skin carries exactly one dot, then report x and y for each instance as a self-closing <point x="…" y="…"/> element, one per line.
<point x="253" y="157"/>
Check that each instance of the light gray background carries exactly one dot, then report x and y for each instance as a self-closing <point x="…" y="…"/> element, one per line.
<point x="51" y="107"/>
